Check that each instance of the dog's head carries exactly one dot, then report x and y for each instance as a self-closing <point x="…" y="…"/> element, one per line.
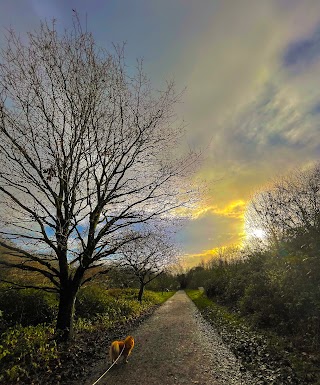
<point x="129" y="342"/>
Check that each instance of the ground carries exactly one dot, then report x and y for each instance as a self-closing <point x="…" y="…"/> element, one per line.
<point x="174" y="346"/>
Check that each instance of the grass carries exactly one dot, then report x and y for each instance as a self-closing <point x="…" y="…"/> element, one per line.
<point x="199" y="298"/>
<point x="107" y="308"/>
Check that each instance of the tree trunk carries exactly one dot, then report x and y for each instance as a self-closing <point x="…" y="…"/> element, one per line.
<point x="141" y="292"/>
<point x="64" y="326"/>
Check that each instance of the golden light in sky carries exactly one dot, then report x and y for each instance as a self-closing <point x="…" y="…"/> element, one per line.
<point x="212" y="228"/>
<point x="250" y="71"/>
<point x="256" y="233"/>
<point x="233" y="209"/>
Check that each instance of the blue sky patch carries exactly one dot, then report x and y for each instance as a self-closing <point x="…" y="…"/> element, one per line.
<point x="303" y="52"/>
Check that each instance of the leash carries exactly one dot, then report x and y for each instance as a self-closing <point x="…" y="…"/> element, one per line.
<point x="110" y="366"/>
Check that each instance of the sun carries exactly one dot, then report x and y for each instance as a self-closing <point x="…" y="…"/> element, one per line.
<point x="257" y="233"/>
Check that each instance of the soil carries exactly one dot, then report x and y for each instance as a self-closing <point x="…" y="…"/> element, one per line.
<point x="174" y="346"/>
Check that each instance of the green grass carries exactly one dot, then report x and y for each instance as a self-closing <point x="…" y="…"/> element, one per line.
<point x="214" y="312"/>
<point x="96" y="306"/>
<point x="149" y="297"/>
<point x="199" y="298"/>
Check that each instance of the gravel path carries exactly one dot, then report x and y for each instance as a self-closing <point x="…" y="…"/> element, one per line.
<point x="176" y="346"/>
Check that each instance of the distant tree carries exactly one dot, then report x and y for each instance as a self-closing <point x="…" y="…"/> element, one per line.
<point x="165" y="281"/>
<point x="262" y="215"/>
<point x="121" y="277"/>
<point x="224" y="254"/>
<point x="147" y="258"/>
<point x="196" y="276"/>
<point x="87" y="150"/>
<point x="289" y="211"/>
<point x="181" y="273"/>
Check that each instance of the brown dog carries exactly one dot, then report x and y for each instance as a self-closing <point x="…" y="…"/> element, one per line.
<point x="117" y="346"/>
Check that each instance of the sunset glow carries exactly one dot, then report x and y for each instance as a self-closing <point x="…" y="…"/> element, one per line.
<point x="251" y="99"/>
<point x="257" y="233"/>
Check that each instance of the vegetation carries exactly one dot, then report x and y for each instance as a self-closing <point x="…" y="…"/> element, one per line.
<point x="266" y="356"/>
<point x="288" y="213"/>
<point x="28" y="351"/>
<point x="277" y="296"/>
<point x="26" y="307"/>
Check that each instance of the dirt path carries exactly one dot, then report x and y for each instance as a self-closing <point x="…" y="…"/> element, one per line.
<point x="175" y="346"/>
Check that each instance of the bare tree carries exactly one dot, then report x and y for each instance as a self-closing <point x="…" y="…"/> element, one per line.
<point x="262" y="219"/>
<point x="87" y="150"/>
<point x="148" y="257"/>
<point x="290" y="208"/>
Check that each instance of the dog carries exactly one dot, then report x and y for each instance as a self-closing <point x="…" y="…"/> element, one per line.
<point x="117" y="347"/>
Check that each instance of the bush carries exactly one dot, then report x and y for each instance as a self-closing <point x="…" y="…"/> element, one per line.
<point x="95" y="303"/>
<point x="115" y="305"/>
<point x="218" y="282"/>
<point x="273" y="291"/>
<point x="263" y="302"/>
<point x="24" y="350"/>
<point x="26" y="307"/>
<point x="92" y="301"/>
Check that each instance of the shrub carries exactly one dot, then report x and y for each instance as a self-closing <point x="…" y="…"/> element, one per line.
<point x="24" y="350"/>
<point x="18" y="307"/>
<point x="218" y="282"/>
<point x="263" y="302"/>
<point x="92" y="301"/>
<point x="97" y="305"/>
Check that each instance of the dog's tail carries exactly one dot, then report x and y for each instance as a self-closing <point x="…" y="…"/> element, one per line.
<point x="114" y="351"/>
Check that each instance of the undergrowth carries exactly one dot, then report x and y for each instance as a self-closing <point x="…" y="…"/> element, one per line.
<point x="30" y="355"/>
<point x="270" y="358"/>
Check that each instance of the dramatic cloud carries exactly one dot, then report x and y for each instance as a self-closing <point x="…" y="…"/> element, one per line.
<point x="252" y="101"/>
<point x="253" y="92"/>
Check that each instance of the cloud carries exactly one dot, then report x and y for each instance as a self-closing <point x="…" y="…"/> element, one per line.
<point x="234" y="209"/>
<point x="246" y="97"/>
<point x="210" y="230"/>
<point x="251" y="69"/>
<point x="233" y="71"/>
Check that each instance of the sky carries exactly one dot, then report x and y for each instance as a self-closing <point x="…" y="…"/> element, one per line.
<point x="251" y="74"/>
